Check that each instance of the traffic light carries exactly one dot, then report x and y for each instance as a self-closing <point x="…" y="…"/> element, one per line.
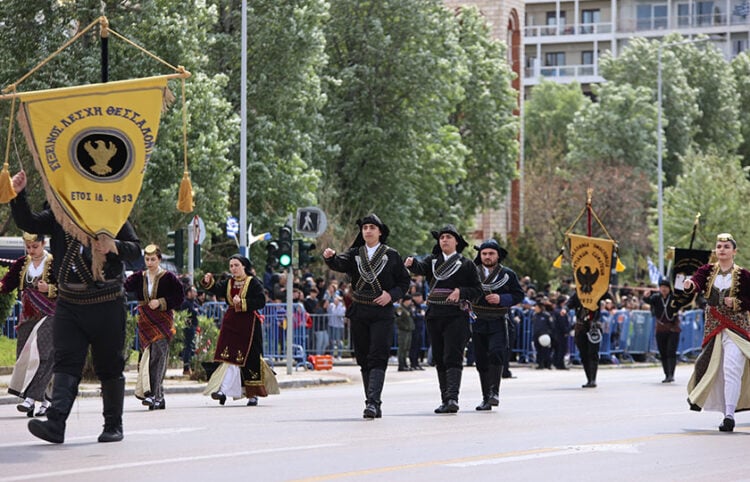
<point x="305" y="255"/>
<point x="285" y="246"/>
<point x="272" y="259"/>
<point x="177" y="247"/>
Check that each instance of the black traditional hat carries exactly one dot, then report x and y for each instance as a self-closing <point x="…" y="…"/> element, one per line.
<point x="371" y="219"/>
<point x="245" y="263"/>
<point x="490" y="244"/>
<point x="450" y="229"/>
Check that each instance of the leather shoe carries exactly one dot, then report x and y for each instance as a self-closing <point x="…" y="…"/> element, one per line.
<point x="727" y="425"/>
<point x="450" y="406"/>
<point x="484" y="406"/>
<point x="252" y="401"/>
<point x="371" y="411"/>
<point x="148" y="402"/>
<point x="158" y="405"/>
<point x="220" y="397"/>
<point x="589" y="385"/>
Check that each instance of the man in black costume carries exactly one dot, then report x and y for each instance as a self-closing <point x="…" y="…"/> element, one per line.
<point x="588" y="335"/>
<point x="664" y="309"/>
<point x="501" y="290"/>
<point x="89" y="312"/>
<point x="454" y="283"/>
<point x="378" y="280"/>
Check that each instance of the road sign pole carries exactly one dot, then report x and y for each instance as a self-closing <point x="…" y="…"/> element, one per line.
<point x="190" y="249"/>
<point x="289" y="322"/>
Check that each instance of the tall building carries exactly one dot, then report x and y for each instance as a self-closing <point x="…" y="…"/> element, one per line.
<point x="506" y="20"/>
<point x="563" y="40"/>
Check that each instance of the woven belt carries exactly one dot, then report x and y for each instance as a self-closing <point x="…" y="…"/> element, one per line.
<point x="439" y="296"/>
<point x="365" y="298"/>
<point x="490" y="310"/>
<point x="83" y="294"/>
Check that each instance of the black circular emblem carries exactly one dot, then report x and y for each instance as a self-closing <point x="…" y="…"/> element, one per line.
<point x="102" y="154"/>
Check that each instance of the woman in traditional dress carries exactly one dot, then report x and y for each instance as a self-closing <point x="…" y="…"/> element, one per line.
<point x="720" y="380"/>
<point x="159" y="293"/>
<point x="32" y="276"/>
<point x="239" y="348"/>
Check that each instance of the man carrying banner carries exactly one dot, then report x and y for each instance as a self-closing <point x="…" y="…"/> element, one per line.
<point x="592" y="262"/>
<point x="89" y="312"/>
<point x="501" y="290"/>
<point x="720" y="380"/>
<point x="454" y="283"/>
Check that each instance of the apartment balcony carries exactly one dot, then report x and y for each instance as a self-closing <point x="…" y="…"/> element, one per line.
<point x="563" y="74"/>
<point x="720" y="20"/>
<point x="535" y="33"/>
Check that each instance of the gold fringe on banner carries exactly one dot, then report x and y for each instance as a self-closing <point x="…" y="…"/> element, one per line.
<point x="185" y="202"/>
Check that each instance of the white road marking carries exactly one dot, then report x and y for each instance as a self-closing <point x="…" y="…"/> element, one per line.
<point x="192" y="458"/>
<point x="554" y="452"/>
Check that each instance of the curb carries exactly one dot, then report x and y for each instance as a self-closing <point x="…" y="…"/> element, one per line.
<point x="89" y="391"/>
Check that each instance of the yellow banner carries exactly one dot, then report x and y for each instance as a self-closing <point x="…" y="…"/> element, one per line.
<point x="592" y="265"/>
<point x="91" y="145"/>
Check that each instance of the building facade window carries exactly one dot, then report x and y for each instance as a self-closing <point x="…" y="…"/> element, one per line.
<point x="683" y="15"/>
<point x="589" y="19"/>
<point x="651" y="16"/>
<point x="587" y="57"/>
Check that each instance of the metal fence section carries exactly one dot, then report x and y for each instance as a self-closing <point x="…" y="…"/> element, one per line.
<point x="624" y="333"/>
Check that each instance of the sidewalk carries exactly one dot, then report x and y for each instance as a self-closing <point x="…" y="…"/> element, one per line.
<point x="175" y="382"/>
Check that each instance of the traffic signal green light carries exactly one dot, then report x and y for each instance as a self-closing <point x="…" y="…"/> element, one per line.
<point x="305" y="253"/>
<point x="272" y="259"/>
<point x="285" y="246"/>
<point x="177" y="247"/>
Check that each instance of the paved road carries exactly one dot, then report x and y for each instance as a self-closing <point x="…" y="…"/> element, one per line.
<point x="630" y="428"/>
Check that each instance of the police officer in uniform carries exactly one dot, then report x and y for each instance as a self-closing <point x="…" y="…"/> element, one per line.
<point x="379" y="279"/>
<point x="454" y="283"/>
<point x="490" y="333"/>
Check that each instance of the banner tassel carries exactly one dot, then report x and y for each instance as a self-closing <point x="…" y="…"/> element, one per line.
<point x="557" y="263"/>
<point x="7" y="193"/>
<point x="185" y="199"/>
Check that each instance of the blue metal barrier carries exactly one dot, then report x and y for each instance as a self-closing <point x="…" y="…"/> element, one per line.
<point x="9" y="327"/>
<point x="691" y="336"/>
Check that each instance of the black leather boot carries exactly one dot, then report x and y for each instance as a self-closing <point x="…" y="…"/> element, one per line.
<point x="64" y="392"/>
<point x="374" y="389"/>
<point x="452" y="387"/>
<point x="113" y="397"/>
<point x="484" y="381"/>
<point x="442" y="381"/>
<point x="495" y="376"/>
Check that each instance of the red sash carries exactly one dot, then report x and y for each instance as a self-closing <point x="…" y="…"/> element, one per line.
<point x="724" y="322"/>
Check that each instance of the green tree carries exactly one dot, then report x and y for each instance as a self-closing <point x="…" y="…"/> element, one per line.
<point x="718" y="125"/>
<point x="548" y="112"/>
<point x="485" y="118"/>
<point x="694" y="193"/>
<point x="618" y="130"/>
<point x="741" y="71"/>
<point x="637" y="66"/>
<point x="396" y="72"/>
<point x="526" y="260"/>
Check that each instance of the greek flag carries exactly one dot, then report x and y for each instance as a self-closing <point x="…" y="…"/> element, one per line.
<point x="653" y="272"/>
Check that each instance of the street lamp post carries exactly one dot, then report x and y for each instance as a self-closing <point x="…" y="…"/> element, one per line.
<point x="660" y="188"/>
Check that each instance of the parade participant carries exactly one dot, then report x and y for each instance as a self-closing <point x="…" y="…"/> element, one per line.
<point x="32" y="275"/>
<point x="667" y="327"/>
<point x="417" y="337"/>
<point x="239" y="348"/>
<point x="587" y="335"/>
<point x="88" y="313"/>
<point x="542" y="327"/>
<point x="378" y="279"/>
<point x="719" y="381"/>
<point x="490" y="333"/>
<point x="405" y="326"/>
<point x="454" y="283"/>
<point x="193" y="308"/>
<point x="158" y="292"/>
<point x="560" y="333"/>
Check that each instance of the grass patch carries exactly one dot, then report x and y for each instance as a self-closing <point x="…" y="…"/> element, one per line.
<point x="7" y="352"/>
